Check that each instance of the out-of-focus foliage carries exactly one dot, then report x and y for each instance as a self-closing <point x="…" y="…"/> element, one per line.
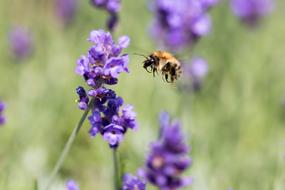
<point x="235" y="123"/>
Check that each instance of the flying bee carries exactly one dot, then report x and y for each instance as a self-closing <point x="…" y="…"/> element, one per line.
<point x="165" y="63"/>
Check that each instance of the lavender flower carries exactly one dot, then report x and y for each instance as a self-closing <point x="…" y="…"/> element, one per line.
<point x="131" y="182"/>
<point x="2" y="118"/>
<point x="102" y="66"/>
<point x="108" y="120"/>
<point x="113" y="7"/>
<point x="21" y="43"/>
<point x="103" y="62"/>
<point x="194" y="74"/>
<point x="72" y="185"/>
<point x="181" y="24"/>
<point x="251" y="11"/>
<point x="65" y="10"/>
<point x="168" y="157"/>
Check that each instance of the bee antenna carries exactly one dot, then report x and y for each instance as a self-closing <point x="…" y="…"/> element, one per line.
<point x="141" y="55"/>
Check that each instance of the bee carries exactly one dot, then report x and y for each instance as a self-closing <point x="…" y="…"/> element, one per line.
<point x="164" y="63"/>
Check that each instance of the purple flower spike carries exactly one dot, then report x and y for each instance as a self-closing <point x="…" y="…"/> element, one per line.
<point x="180" y="24"/>
<point x="251" y="11"/>
<point x="2" y="118"/>
<point x="131" y="182"/>
<point x="65" y="10"/>
<point x="21" y="43"/>
<point x="72" y="185"/>
<point x="101" y="67"/>
<point x="168" y="158"/>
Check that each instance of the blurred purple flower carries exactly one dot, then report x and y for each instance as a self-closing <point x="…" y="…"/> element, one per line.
<point x="131" y="182"/>
<point x="65" y="10"/>
<point x="181" y="24"/>
<point x="199" y="68"/>
<point x="113" y="7"/>
<point x="2" y="118"/>
<point x="194" y="74"/>
<point x="251" y="11"/>
<point x="72" y="185"/>
<point x="21" y="43"/>
<point x="209" y="3"/>
<point x="102" y="66"/>
<point x="168" y="158"/>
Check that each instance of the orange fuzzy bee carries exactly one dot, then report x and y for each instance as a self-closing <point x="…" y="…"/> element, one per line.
<point x="165" y="63"/>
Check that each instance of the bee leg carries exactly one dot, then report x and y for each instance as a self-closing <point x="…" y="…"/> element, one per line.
<point x="172" y="78"/>
<point x="146" y="66"/>
<point x="154" y="71"/>
<point x="148" y="70"/>
<point x="166" y="78"/>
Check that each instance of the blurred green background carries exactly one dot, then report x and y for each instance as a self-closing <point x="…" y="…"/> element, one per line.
<point x="235" y="124"/>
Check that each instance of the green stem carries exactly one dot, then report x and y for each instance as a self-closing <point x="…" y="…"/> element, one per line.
<point x="116" y="170"/>
<point x="68" y="145"/>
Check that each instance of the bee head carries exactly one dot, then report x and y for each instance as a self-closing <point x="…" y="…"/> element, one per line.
<point x="148" y="63"/>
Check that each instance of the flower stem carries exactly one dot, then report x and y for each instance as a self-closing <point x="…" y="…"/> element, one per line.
<point x="116" y="170"/>
<point x="68" y="145"/>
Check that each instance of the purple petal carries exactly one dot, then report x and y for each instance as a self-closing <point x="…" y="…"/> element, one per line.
<point x="72" y="185"/>
<point x="113" y="139"/>
<point x="2" y="106"/>
<point x="124" y="41"/>
<point x="199" y="67"/>
<point x="2" y="120"/>
<point x="114" y="6"/>
<point x="202" y="25"/>
<point x="82" y="105"/>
